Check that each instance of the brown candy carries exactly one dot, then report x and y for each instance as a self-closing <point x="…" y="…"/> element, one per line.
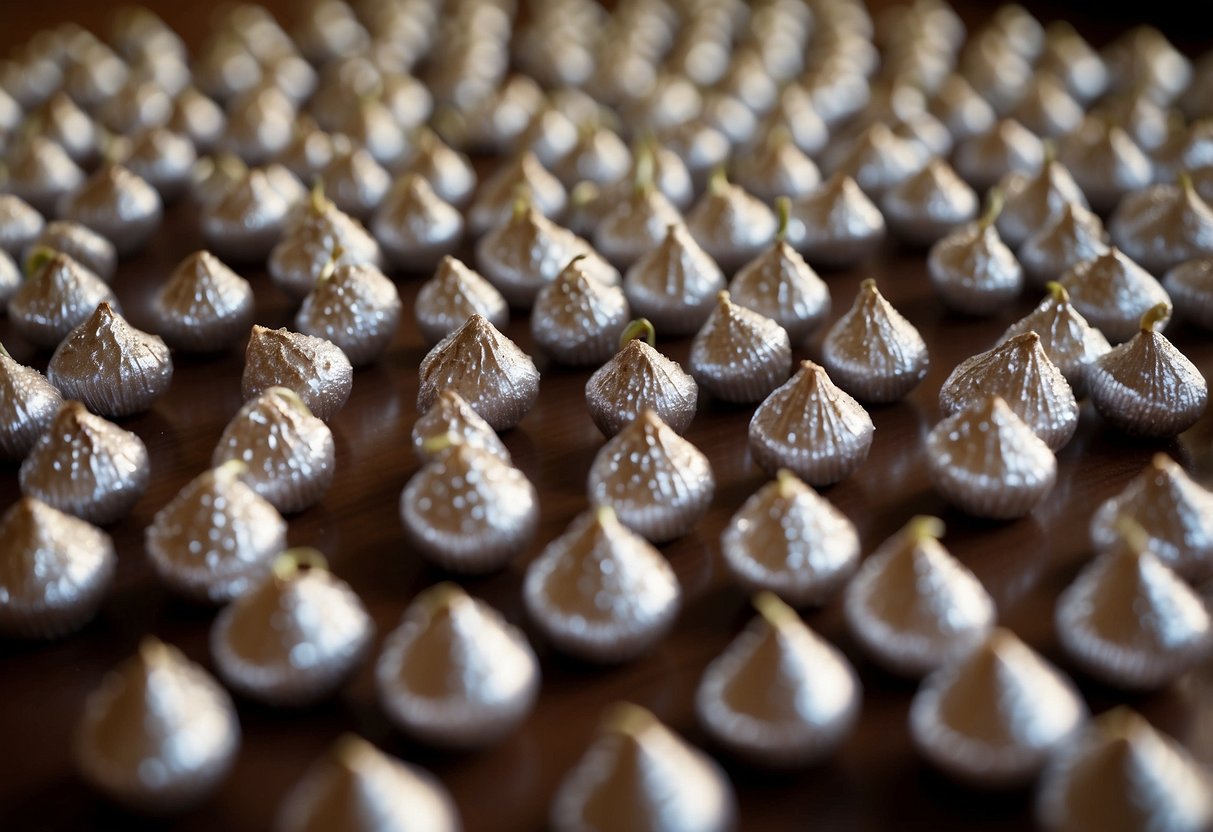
<point x="658" y="483"/>
<point x="600" y="591"/>
<point x="86" y="466"/>
<point x="59" y="295"/>
<point x="454" y="294"/>
<point x="455" y="674"/>
<point x="203" y="306"/>
<point x="115" y="369"/>
<point x="28" y="404"/>
<point x="117" y="204"/>
<point x="639" y="377"/>
<point x="355" y="307"/>
<point x="779" y="694"/>
<point x="1146" y="386"/>
<point x="578" y="320"/>
<point x="468" y="510"/>
<point x="159" y="735"/>
<point x="812" y="428"/>
<point x="913" y="607"/>
<point x="295" y="637"/>
<point x="988" y="462"/>
<point x="54" y="571"/>
<point x="1020" y="371"/>
<point x="740" y="355"/>
<point x="675" y="284"/>
<point x="873" y="351"/>
<point x="1065" y="335"/>
<point x="216" y="538"/>
<point x="489" y="370"/>
<point x="316" y="369"/>
<point x="788" y="540"/>
<point x="288" y="451"/>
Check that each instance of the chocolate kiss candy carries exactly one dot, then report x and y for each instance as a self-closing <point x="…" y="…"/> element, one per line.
<point x="1113" y="292"/>
<point x="988" y="462"/>
<point x="455" y="674"/>
<point x="1107" y="164"/>
<point x="54" y="571"/>
<point x="451" y="416"/>
<point x="415" y="226"/>
<point x="467" y="510"/>
<point x="309" y="152"/>
<point x="961" y="109"/>
<point x="288" y="451"/>
<point x="1006" y="147"/>
<point x="1191" y="286"/>
<point x="812" y="428"/>
<point x="494" y="202"/>
<point x="159" y="735"/>
<point x="41" y="173"/>
<point x="454" y="294"/>
<point x="1068" y="56"/>
<point x="788" y="540"/>
<point x="658" y="483"/>
<point x="1163" y="226"/>
<point x="86" y="247"/>
<point x="198" y="118"/>
<point x="355" y="307"/>
<point x="994" y="717"/>
<point x="1173" y="511"/>
<point x="1121" y="775"/>
<point x="924" y="207"/>
<point x="1047" y="108"/>
<point x="601" y="592"/>
<point x="779" y="694"/>
<point x="640" y="775"/>
<point x="449" y="173"/>
<point x="355" y="181"/>
<point x="216" y="538"/>
<point x="59" y="295"/>
<point x="777" y="167"/>
<point x="295" y="637"/>
<point x="578" y="320"/>
<point x="28" y="404"/>
<point x="1146" y="386"/>
<point x="115" y="369"/>
<point x="675" y="284"/>
<point x="1020" y="371"/>
<point x="529" y="251"/>
<point x="358" y="788"/>
<point x="311" y="244"/>
<point x="1130" y="621"/>
<point x="878" y="160"/>
<point x="637" y="224"/>
<point x="86" y="466"/>
<point x="316" y="369"/>
<point x="835" y="225"/>
<point x="1031" y="199"/>
<point x="1072" y="235"/>
<point x="782" y="286"/>
<point x="1065" y="335"/>
<point x="732" y="226"/>
<point x="701" y="147"/>
<point x="204" y="306"/>
<point x="873" y="351"/>
<point x="164" y="159"/>
<point x="64" y="123"/>
<point x="639" y="377"/>
<point x="972" y="270"/>
<point x="740" y="355"/>
<point x="476" y="361"/>
<point x="118" y="205"/>
<point x="913" y="607"/>
<point x="247" y="222"/>
<point x="20" y="224"/>
<point x="599" y="156"/>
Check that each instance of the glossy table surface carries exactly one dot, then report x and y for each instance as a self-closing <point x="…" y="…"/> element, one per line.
<point x="876" y="782"/>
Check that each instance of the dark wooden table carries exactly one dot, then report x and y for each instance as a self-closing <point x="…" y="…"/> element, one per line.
<point x="876" y="782"/>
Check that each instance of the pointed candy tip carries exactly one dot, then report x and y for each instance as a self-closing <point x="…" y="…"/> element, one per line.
<point x="627" y="719"/>
<point x="300" y="558"/>
<point x="925" y="527"/>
